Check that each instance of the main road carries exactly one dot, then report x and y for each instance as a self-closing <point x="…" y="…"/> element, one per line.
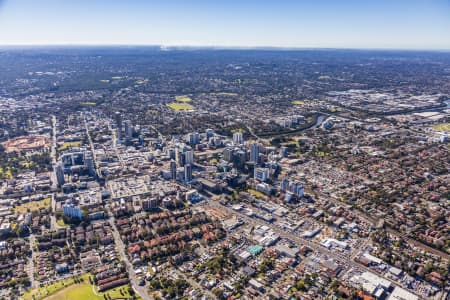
<point x="141" y="290"/>
<point x="343" y="260"/>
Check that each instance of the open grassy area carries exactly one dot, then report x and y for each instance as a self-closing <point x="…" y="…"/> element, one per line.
<point x="237" y="130"/>
<point x="88" y="103"/>
<point x="33" y="206"/>
<point x="61" y="223"/>
<point x="442" y="127"/>
<point x="68" y="289"/>
<point x="180" y="106"/>
<point x="183" y="98"/>
<point x="256" y="193"/>
<point x="45" y="291"/>
<point x="298" y="102"/>
<point x="224" y="94"/>
<point x="67" y="145"/>
<point x="5" y="173"/>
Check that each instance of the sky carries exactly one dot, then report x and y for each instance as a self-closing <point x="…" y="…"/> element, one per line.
<point x="398" y="24"/>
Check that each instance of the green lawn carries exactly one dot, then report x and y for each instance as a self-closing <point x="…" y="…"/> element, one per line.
<point x="180" y="106"/>
<point x="45" y="291"/>
<point x="68" y="290"/>
<point x="61" y="223"/>
<point x="442" y="127"/>
<point x="256" y="193"/>
<point x="298" y="102"/>
<point x="33" y="206"/>
<point x="88" y="103"/>
<point x="183" y="98"/>
<point x="67" y="145"/>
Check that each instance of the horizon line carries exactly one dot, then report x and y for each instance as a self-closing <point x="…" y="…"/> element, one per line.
<point x="221" y="47"/>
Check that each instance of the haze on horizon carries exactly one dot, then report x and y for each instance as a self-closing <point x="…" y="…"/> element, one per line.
<point x="401" y="24"/>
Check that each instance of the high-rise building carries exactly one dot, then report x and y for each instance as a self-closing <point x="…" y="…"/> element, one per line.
<point x="89" y="163"/>
<point x="72" y="211"/>
<point x="238" y="138"/>
<point x="173" y="170"/>
<point x="261" y="174"/>
<point x="209" y="133"/>
<point x="194" y="138"/>
<point x="239" y="159"/>
<point x="128" y="130"/>
<point x="59" y="172"/>
<point x="189" y="157"/>
<point x="188" y="173"/>
<point x="118" y="119"/>
<point x="254" y="153"/>
<point x="228" y="154"/>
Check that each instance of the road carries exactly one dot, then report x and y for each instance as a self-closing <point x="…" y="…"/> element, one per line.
<point x="31" y="261"/>
<point x="196" y="285"/>
<point x="114" y="138"/>
<point x="343" y="260"/>
<point x="392" y="231"/>
<point x="53" y="153"/>
<point x="141" y="290"/>
<point x="91" y="146"/>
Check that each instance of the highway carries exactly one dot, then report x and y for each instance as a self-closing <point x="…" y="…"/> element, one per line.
<point x="343" y="260"/>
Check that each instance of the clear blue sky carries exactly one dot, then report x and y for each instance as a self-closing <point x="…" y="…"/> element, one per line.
<point x="413" y="24"/>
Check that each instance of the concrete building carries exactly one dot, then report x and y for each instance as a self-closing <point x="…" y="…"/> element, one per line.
<point x="189" y="157"/>
<point x="238" y="138"/>
<point x="261" y="174"/>
<point x="188" y="172"/>
<point x="59" y="172"/>
<point x="72" y="211"/>
<point x="128" y="130"/>
<point x="173" y="170"/>
<point x="254" y="153"/>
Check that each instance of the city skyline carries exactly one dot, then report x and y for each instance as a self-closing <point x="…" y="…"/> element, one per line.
<point x="382" y="24"/>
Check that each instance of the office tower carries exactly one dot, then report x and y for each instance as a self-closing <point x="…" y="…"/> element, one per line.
<point x="171" y="153"/>
<point x="188" y="172"/>
<point x="189" y="157"/>
<point x="239" y="159"/>
<point x="173" y="170"/>
<point x="59" y="172"/>
<point x="261" y="174"/>
<point x="228" y="154"/>
<point x="209" y="133"/>
<point x="128" y="130"/>
<point x="254" y="153"/>
<point x="118" y="119"/>
<point x="238" y="138"/>
<point x="72" y="211"/>
<point x="89" y="163"/>
<point x="194" y="138"/>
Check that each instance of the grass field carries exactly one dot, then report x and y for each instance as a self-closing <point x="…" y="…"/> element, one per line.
<point x="180" y="106"/>
<point x="69" y="290"/>
<point x="88" y="103"/>
<point x="33" y="206"/>
<point x="298" y="102"/>
<point x="183" y="98"/>
<point x="256" y="193"/>
<point x="45" y="291"/>
<point x="442" y="127"/>
<point x="224" y="94"/>
<point x="61" y="223"/>
<point x="5" y="173"/>
<point x="237" y="130"/>
<point x="67" y="145"/>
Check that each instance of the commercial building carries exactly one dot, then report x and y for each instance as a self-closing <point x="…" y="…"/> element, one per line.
<point x="261" y="174"/>
<point x="72" y="211"/>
